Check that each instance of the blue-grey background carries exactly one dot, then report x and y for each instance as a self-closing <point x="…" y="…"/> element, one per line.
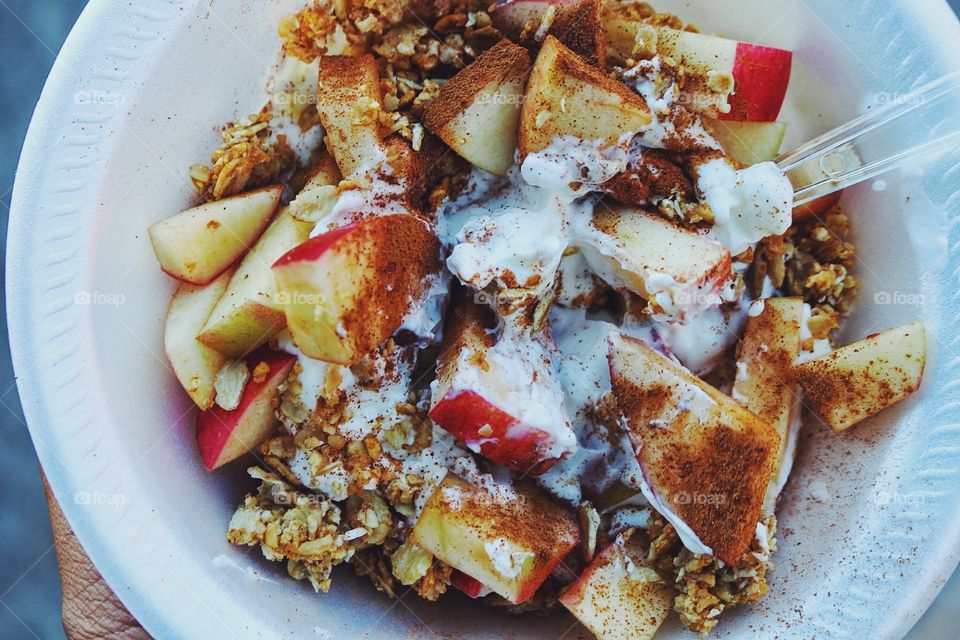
<point x="31" y="33"/>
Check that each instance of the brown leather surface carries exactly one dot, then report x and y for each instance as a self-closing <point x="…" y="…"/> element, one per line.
<point x="91" y="610"/>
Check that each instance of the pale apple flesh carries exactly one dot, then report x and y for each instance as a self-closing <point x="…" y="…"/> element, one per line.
<point x="619" y="596"/>
<point x="860" y="380"/>
<point x="760" y="74"/>
<point x="349" y="100"/>
<point x="346" y="291"/>
<point x="475" y="395"/>
<point x="764" y="384"/>
<point x="222" y="435"/>
<point x="199" y="244"/>
<point x="568" y="97"/>
<point x="748" y="142"/>
<point x="194" y="364"/>
<point x="677" y="270"/>
<point x="250" y="313"/>
<point x="478" y="110"/>
<point x="707" y="460"/>
<point x="509" y="543"/>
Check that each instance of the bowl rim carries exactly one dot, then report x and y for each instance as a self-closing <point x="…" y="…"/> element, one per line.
<point x="157" y="614"/>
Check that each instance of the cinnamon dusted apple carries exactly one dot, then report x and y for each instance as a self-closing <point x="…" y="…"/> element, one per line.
<point x="620" y="596"/>
<point x="764" y="383"/>
<point x="860" y="380"/>
<point x="578" y="24"/>
<point x="507" y="538"/>
<point x="346" y="291"/>
<point x="349" y="102"/>
<point x="568" y="97"/>
<point x="477" y="112"/>
<point x="706" y="460"/>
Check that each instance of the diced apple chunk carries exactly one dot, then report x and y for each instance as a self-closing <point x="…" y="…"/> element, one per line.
<point x="478" y="110"/>
<point x="250" y="313"/>
<point x="577" y="24"/>
<point x="509" y="540"/>
<point x="349" y="101"/>
<point x="568" y="97"/>
<point x="764" y="384"/>
<point x="346" y="291"/>
<point x="760" y="75"/>
<point x="194" y="364"/>
<point x="224" y="436"/>
<point x="860" y="380"/>
<point x="748" y="142"/>
<point x="470" y="587"/>
<point x="620" y="596"/>
<point x="706" y="459"/>
<point x="678" y="271"/>
<point x="485" y="390"/>
<point x="199" y="244"/>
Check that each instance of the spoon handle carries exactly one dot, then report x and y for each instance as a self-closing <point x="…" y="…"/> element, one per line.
<point x="911" y="126"/>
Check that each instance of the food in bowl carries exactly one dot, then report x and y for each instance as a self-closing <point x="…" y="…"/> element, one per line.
<point x="513" y="299"/>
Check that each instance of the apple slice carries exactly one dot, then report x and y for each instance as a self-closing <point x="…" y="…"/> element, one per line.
<point x="577" y="24"/>
<point x="194" y="364"/>
<point x="860" y="380"/>
<point x="349" y="101"/>
<point x="502" y="400"/>
<point x="507" y="538"/>
<point x="199" y="244"/>
<point x="760" y="74"/>
<point x="748" y="142"/>
<point x="764" y="384"/>
<point x="223" y="436"/>
<point x="706" y="460"/>
<point x="471" y="587"/>
<point x="250" y="312"/>
<point x="678" y="271"/>
<point x="478" y="110"/>
<point x="620" y="596"/>
<point x="568" y="97"/>
<point x="346" y="291"/>
<point x="325" y="173"/>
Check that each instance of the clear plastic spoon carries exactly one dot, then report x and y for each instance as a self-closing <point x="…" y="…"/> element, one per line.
<point x="917" y="125"/>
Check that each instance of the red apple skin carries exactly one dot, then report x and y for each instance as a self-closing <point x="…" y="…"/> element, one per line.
<point x="762" y="75"/>
<point x="471" y="587"/>
<point x="464" y="413"/>
<point x="224" y="436"/>
<point x="315" y="247"/>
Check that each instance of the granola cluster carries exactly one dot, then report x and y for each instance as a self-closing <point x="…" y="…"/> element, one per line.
<point x="248" y="158"/>
<point x="706" y="586"/>
<point x="405" y="564"/>
<point x="417" y="45"/>
<point x="813" y="260"/>
<point x="303" y="529"/>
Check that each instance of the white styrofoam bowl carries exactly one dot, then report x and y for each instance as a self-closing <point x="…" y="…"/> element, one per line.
<point x="870" y="527"/>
